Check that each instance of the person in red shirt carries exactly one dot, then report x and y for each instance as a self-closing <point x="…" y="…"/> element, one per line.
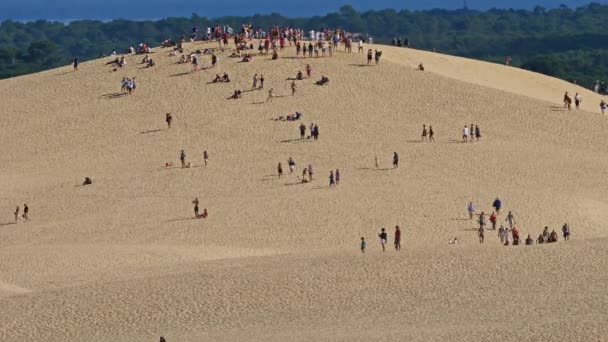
<point x="493" y="220"/>
<point x="397" y="238"/>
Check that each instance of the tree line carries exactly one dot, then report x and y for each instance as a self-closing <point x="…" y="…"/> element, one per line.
<point x="563" y="42"/>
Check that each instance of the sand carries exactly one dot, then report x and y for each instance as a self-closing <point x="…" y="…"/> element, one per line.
<point x="277" y="260"/>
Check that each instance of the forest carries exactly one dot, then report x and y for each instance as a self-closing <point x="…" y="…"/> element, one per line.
<point x="569" y="43"/>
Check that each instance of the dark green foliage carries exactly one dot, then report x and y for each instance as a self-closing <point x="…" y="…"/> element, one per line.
<point x="568" y="43"/>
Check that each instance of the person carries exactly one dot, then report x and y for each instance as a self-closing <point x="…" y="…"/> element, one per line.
<point x="194" y="63"/>
<point x="304" y="173"/>
<point x="477" y="133"/>
<point x="337" y="177"/>
<point x="280" y="170"/>
<point x="369" y="56"/>
<point x="420" y="67"/>
<point x="431" y="134"/>
<point x="87" y="181"/>
<point x="292" y="165"/>
<point x="332" y="181"/>
<point x="546" y="234"/>
<point x="162" y="339"/>
<point x="395" y="160"/>
<point x="424" y="132"/>
<point x="213" y="60"/>
<point x="603" y="106"/>
<point x="299" y="75"/>
<point x="540" y="239"/>
<point x="360" y="44"/>
<point x="363" y="245"/>
<point x="566" y="231"/>
<point x="552" y="236"/>
<point x="182" y="158"/>
<point x="465" y="134"/>
<point x="377" y="55"/>
<point x="205" y="157"/>
<point x="26" y="211"/>
<point x="195" y="202"/>
<point x="261" y="81"/>
<point x="502" y="233"/>
<point x="511" y="219"/>
<point x="308" y="70"/>
<point x="497" y="205"/>
<point x="168" y="119"/>
<point x="397" y="238"/>
<point x="75" y="63"/>
<point x="472" y="133"/>
<point x="482" y="220"/>
<point x="17" y="214"/>
<point x="293" y="88"/>
<point x="270" y="94"/>
<point x="471" y="210"/>
<point x="315" y="132"/>
<point x="205" y="213"/>
<point x="567" y="101"/>
<point x="507" y="60"/>
<point x="577" y="100"/>
<point x="255" y="81"/>
<point x="302" y="130"/>
<point x="383" y="238"/>
<point x="480" y="234"/>
<point x="529" y="241"/>
<point x="310" y="173"/>
<point x="323" y="81"/>
<point x="225" y="78"/>
<point x="493" y="220"/>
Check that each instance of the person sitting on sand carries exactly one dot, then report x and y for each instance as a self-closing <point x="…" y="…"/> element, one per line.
<point x="225" y="78"/>
<point x="540" y="239"/>
<point x="529" y="241"/>
<point x="420" y="67"/>
<point x="323" y="81"/>
<point x="237" y="94"/>
<point x="145" y="59"/>
<point x="299" y="76"/>
<point x="205" y="214"/>
<point x="217" y="79"/>
<point x="151" y="63"/>
<point x="87" y="181"/>
<point x="553" y="236"/>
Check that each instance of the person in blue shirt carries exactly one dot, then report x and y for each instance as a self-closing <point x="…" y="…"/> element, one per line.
<point x="497" y="204"/>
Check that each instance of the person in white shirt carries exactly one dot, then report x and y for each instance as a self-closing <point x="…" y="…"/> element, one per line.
<point x="465" y="134"/>
<point x="360" y="45"/>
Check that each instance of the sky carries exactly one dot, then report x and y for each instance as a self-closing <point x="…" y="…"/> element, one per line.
<point x="155" y="9"/>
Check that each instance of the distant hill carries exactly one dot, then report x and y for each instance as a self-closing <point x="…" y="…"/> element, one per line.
<point x="562" y="42"/>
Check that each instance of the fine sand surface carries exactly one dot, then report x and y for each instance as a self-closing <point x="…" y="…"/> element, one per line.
<point x="276" y="260"/>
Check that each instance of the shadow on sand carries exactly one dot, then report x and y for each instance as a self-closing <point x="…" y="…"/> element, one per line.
<point x="112" y="96"/>
<point x="151" y="131"/>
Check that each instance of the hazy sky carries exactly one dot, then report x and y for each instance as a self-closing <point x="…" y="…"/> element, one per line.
<point x="151" y="9"/>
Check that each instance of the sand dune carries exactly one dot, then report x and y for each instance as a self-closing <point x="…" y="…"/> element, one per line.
<point x="123" y="259"/>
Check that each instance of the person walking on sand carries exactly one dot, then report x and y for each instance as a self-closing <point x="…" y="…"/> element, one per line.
<point x="75" y="63"/>
<point x="363" y="245"/>
<point x="566" y="231"/>
<point x="370" y="55"/>
<point x="567" y="101"/>
<point x="17" y="214"/>
<point x="270" y="94"/>
<point x="577" y="100"/>
<point x="280" y="170"/>
<point x="511" y="219"/>
<point x="502" y="234"/>
<point x="292" y="165"/>
<point x="337" y="177"/>
<point x="310" y="172"/>
<point x="182" y="158"/>
<point x="302" y="131"/>
<point x="497" y="204"/>
<point x="168" y="119"/>
<point x="471" y="210"/>
<point x="332" y="181"/>
<point x="308" y="70"/>
<point x="261" y="81"/>
<point x="472" y="133"/>
<point x="431" y="134"/>
<point x="424" y="133"/>
<point x="493" y="220"/>
<point x="465" y="134"/>
<point x="481" y="234"/>
<point x="205" y="157"/>
<point x="304" y="173"/>
<point x="383" y="238"/>
<point x="293" y="88"/>
<point x="195" y="202"/>
<point x="26" y="211"/>
<point x="395" y="160"/>
<point x="315" y="133"/>
<point x="255" y="81"/>
<point x="397" y="238"/>
<point x="477" y="133"/>
<point x="482" y="220"/>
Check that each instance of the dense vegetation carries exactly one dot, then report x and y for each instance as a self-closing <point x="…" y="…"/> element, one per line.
<point x="568" y="43"/>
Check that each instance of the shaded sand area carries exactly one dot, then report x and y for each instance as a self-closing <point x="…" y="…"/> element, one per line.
<point x="123" y="259"/>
